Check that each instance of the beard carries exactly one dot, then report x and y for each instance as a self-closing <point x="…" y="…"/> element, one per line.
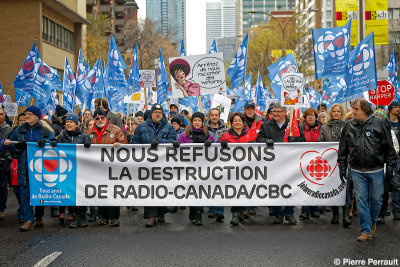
<point x="100" y="125"/>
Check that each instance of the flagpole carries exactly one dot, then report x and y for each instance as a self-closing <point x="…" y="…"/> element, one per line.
<point x="291" y="120"/>
<point x="145" y="98"/>
<point x="200" y="104"/>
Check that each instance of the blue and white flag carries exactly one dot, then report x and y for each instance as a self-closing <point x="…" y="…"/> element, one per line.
<point x="41" y="90"/>
<point x="247" y="88"/>
<point x="331" y="50"/>
<point x="162" y="80"/>
<point x="22" y="98"/>
<point x="133" y="81"/>
<point x="361" y="75"/>
<point x="69" y="85"/>
<point x="115" y="81"/>
<point x="237" y="69"/>
<point x="261" y="96"/>
<point x="213" y="48"/>
<point x="80" y="78"/>
<point x="283" y="65"/>
<point x="313" y="97"/>
<point x="194" y="103"/>
<point x="52" y="78"/>
<point x="183" y="53"/>
<point x="184" y="101"/>
<point x="392" y="67"/>
<point x="267" y="93"/>
<point x="93" y="85"/>
<point x="26" y="75"/>
<point x="206" y="101"/>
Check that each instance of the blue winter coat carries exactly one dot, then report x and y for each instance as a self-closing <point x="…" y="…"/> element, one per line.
<point x="20" y="134"/>
<point x="145" y="132"/>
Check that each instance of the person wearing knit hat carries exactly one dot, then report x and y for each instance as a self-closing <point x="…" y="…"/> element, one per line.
<point x="35" y="110"/>
<point x="177" y="123"/>
<point x="197" y="115"/>
<point x="72" y="117"/>
<point x="61" y="111"/>
<point x="140" y="116"/>
<point x="157" y="106"/>
<point x="99" y="112"/>
<point x="392" y="105"/>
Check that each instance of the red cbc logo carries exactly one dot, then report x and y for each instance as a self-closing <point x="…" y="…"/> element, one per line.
<point x="316" y="168"/>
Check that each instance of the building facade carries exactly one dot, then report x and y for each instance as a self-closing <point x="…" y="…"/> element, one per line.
<point x="57" y="26"/>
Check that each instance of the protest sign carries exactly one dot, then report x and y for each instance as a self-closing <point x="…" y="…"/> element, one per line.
<point x="191" y="175"/>
<point x="197" y="75"/>
<point x="147" y="78"/>
<point x="223" y="103"/>
<point x="292" y="90"/>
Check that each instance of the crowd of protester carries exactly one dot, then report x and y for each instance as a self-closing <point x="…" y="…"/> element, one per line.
<point x="368" y="142"/>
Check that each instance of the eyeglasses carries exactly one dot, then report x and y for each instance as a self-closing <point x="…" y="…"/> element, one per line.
<point x="100" y="118"/>
<point x="277" y="111"/>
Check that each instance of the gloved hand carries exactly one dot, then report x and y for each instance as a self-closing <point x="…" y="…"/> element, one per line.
<point x="154" y="143"/>
<point x="207" y="143"/>
<point x="343" y="174"/>
<point x="176" y="143"/>
<point x="291" y="139"/>
<point x="41" y="143"/>
<point x="270" y="142"/>
<point x="87" y="144"/>
<point x="389" y="173"/>
<point x="53" y="143"/>
<point x="21" y="145"/>
<point x="224" y="144"/>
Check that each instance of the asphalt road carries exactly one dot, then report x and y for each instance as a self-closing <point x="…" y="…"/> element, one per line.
<point x="256" y="242"/>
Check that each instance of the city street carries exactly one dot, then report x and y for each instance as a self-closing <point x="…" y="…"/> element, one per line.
<point x="256" y="242"/>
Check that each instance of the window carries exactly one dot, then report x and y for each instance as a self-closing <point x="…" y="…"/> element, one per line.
<point x="329" y="13"/>
<point x="329" y="3"/>
<point x="396" y="13"/>
<point x="329" y="24"/>
<point x="57" y="34"/>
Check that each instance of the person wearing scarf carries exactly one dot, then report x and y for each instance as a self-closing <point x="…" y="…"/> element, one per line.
<point x="105" y="133"/>
<point x="196" y="132"/>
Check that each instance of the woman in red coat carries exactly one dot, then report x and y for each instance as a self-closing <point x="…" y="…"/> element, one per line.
<point x="236" y="134"/>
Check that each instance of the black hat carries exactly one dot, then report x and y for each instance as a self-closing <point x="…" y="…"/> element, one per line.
<point x="197" y="115"/>
<point x="60" y="111"/>
<point x="146" y="114"/>
<point x="173" y="105"/>
<point x="185" y="112"/>
<point x="177" y="120"/>
<point x="392" y="105"/>
<point x="157" y="106"/>
<point x="139" y="114"/>
<point x="99" y="112"/>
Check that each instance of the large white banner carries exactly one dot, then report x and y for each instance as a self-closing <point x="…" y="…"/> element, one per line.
<point x="191" y="175"/>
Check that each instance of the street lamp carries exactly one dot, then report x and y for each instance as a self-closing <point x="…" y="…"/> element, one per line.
<point x="283" y="27"/>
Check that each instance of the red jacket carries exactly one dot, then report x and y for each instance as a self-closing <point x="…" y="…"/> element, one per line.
<point x="310" y="134"/>
<point x="231" y="136"/>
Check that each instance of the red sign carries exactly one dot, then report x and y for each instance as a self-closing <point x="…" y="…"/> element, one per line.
<point x="383" y="95"/>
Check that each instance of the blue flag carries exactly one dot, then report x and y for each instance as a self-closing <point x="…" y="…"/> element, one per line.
<point x="41" y="90"/>
<point x="133" y="81"/>
<point x="261" y="95"/>
<point x="331" y="50"/>
<point x="206" y="101"/>
<point x="247" y="88"/>
<point x="239" y="105"/>
<point x="93" y="85"/>
<point x="237" y="69"/>
<point x="115" y="82"/>
<point x="313" y="97"/>
<point x="52" y="78"/>
<point x="183" y="53"/>
<point x="22" y="98"/>
<point x="26" y="75"/>
<point x="194" y="103"/>
<point x="267" y="93"/>
<point x="392" y="67"/>
<point x="184" y="101"/>
<point x="69" y="86"/>
<point x="361" y="75"/>
<point x="283" y="65"/>
<point x="162" y="80"/>
<point x="80" y="78"/>
<point x="213" y="48"/>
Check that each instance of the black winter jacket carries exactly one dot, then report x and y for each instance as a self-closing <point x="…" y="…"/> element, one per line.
<point x="75" y="137"/>
<point x="270" y="130"/>
<point x="366" y="146"/>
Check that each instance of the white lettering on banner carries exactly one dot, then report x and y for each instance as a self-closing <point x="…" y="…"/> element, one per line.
<point x="195" y="175"/>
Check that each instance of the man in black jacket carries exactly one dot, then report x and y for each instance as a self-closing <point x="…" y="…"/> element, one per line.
<point x="366" y="146"/>
<point x="273" y="131"/>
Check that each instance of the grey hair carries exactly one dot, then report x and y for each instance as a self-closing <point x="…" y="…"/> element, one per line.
<point x="278" y="105"/>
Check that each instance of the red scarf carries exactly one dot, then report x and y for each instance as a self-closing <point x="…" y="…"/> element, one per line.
<point x="100" y="134"/>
